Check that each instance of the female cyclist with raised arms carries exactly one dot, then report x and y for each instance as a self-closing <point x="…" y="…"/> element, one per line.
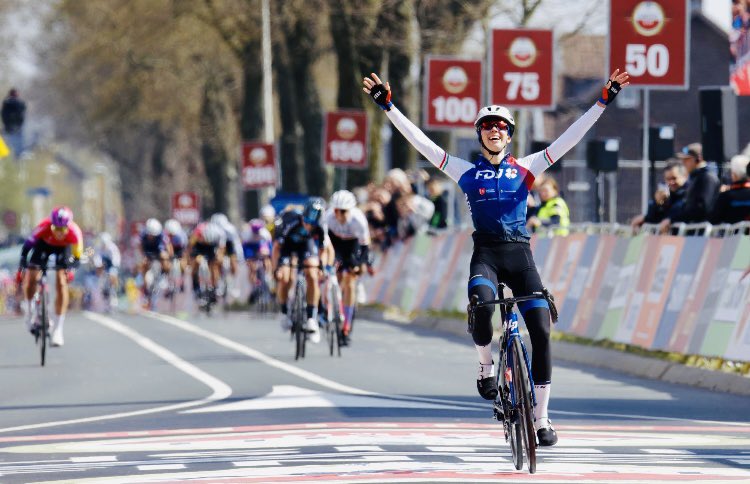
<point x="496" y="186"/>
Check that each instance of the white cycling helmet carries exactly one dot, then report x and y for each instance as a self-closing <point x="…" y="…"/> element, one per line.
<point x="105" y="238"/>
<point x="220" y="219"/>
<point x="153" y="227"/>
<point x="343" y="200"/>
<point x="212" y="233"/>
<point x="267" y="212"/>
<point x="495" y="111"/>
<point x="172" y="226"/>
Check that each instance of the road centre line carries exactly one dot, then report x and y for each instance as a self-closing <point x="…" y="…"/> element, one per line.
<point x="220" y="390"/>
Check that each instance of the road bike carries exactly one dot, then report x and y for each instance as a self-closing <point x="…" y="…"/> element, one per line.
<point x="154" y="283"/>
<point x="206" y="291"/>
<point x="299" y="317"/>
<point x="41" y="327"/>
<point x="515" y="402"/>
<point x="174" y="284"/>
<point x="333" y="314"/>
<point x="261" y="296"/>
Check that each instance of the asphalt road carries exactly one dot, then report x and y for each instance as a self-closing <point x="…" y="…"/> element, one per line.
<point x="152" y="398"/>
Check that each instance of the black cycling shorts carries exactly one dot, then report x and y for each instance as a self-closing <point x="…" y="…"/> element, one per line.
<point x="304" y="250"/>
<point x="41" y="252"/>
<point x="229" y="249"/>
<point x="206" y="250"/>
<point x="348" y="252"/>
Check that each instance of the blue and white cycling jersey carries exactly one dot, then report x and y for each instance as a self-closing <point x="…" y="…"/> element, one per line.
<point x="496" y="194"/>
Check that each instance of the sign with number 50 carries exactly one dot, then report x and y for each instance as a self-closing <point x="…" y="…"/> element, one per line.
<point x="650" y="40"/>
<point x="522" y="68"/>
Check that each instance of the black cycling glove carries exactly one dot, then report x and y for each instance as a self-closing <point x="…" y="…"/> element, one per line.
<point x="381" y="96"/>
<point x="609" y="91"/>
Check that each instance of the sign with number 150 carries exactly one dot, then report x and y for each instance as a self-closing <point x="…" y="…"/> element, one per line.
<point x="650" y="39"/>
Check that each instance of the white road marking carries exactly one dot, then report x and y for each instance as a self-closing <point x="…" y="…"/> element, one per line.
<point x="94" y="458"/>
<point x="161" y="467"/>
<point x="220" y="390"/>
<point x="289" y="396"/>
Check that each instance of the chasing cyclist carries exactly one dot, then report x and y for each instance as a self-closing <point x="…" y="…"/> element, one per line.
<point x="57" y="235"/>
<point x="178" y="239"/>
<point x="256" y="246"/>
<point x="154" y="246"/>
<point x="350" y="236"/>
<point x="108" y="253"/>
<point x="496" y="186"/>
<point x="207" y="241"/>
<point x="305" y="237"/>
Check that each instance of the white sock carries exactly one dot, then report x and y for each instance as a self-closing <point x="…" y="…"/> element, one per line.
<point x="542" y="401"/>
<point x="27" y="306"/>
<point x="60" y="320"/>
<point x="485" y="354"/>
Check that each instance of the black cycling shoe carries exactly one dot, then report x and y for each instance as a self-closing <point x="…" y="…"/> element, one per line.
<point x="546" y="435"/>
<point x="487" y="388"/>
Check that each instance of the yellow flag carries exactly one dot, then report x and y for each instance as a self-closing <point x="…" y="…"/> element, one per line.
<point x="4" y="151"/>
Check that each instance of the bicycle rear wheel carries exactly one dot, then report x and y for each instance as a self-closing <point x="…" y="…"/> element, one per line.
<point x="44" y="327"/>
<point x="299" y="319"/>
<point x="524" y="403"/>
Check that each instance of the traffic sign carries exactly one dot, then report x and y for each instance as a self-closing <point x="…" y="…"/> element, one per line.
<point x="258" y="165"/>
<point x="650" y="40"/>
<point x="345" y="139"/>
<point x="186" y="208"/>
<point x="453" y="92"/>
<point x="522" y="68"/>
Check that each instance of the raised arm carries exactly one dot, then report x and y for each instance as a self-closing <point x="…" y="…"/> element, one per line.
<point x="540" y="161"/>
<point x="381" y="94"/>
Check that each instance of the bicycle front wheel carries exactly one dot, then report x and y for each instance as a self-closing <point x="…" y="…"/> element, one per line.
<point x="44" y="328"/>
<point x="524" y="403"/>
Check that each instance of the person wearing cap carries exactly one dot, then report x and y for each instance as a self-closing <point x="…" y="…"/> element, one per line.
<point x="733" y="205"/>
<point x="702" y="188"/>
<point x="496" y="186"/>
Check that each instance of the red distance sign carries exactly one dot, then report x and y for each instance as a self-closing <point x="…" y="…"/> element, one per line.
<point x="522" y="68"/>
<point x="650" y="40"/>
<point x="258" y="165"/>
<point x="453" y="92"/>
<point x="345" y="139"/>
<point x="186" y="208"/>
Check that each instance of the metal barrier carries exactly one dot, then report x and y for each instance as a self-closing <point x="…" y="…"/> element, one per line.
<point x="703" y="229"/>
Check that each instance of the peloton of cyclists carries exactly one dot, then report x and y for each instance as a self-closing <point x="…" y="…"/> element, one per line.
<point x="496" y="186"/>
<point x="350" y="237"/>
<point x="302" y="236"/>
<point x="60" y="236"/>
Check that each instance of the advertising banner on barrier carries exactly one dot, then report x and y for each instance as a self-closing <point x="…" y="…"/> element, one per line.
<point x="667" y="250"/>
<point x="417" y="262"/>
<point x="687" y="266"/>
<point x="450" y="285"/>
<point x="607" y="289"/>
<point x="396" y="286"/>
<point x="605" y="245"/>
<point x="685" y="326"/>
<point x="650" y="40"/>
<point x="459" y="299"/>
<point x="437" y="272"/>
<point x="739" y="343"/>
<point x="577" y="288"/>
<point x="621" y="300"/>
<point x="571" y="253"/>
<point x="639" y="286"/>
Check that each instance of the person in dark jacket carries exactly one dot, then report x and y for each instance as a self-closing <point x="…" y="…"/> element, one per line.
<point x="666" y="203"/>
<point x="702" y="188"/>
<point x="436" y="194"/>
<point x="733" y="205"/>
<point x="13" y="116"/>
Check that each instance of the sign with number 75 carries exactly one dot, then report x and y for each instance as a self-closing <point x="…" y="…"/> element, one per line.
<point x="522" y="68"/>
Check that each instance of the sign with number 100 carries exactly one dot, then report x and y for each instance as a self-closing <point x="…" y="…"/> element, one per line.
<point x="521" y="74"/>
<point x="649" y="39"/>
<point x="453" y="92"/>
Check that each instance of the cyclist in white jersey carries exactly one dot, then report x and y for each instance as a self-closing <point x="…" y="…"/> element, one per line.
<point x="496" y="186"/>
<point x="350" y="236"/>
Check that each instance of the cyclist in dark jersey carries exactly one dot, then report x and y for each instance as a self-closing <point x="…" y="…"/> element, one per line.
<point x="496" y="186"/>
<point x="304" y="237"/>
